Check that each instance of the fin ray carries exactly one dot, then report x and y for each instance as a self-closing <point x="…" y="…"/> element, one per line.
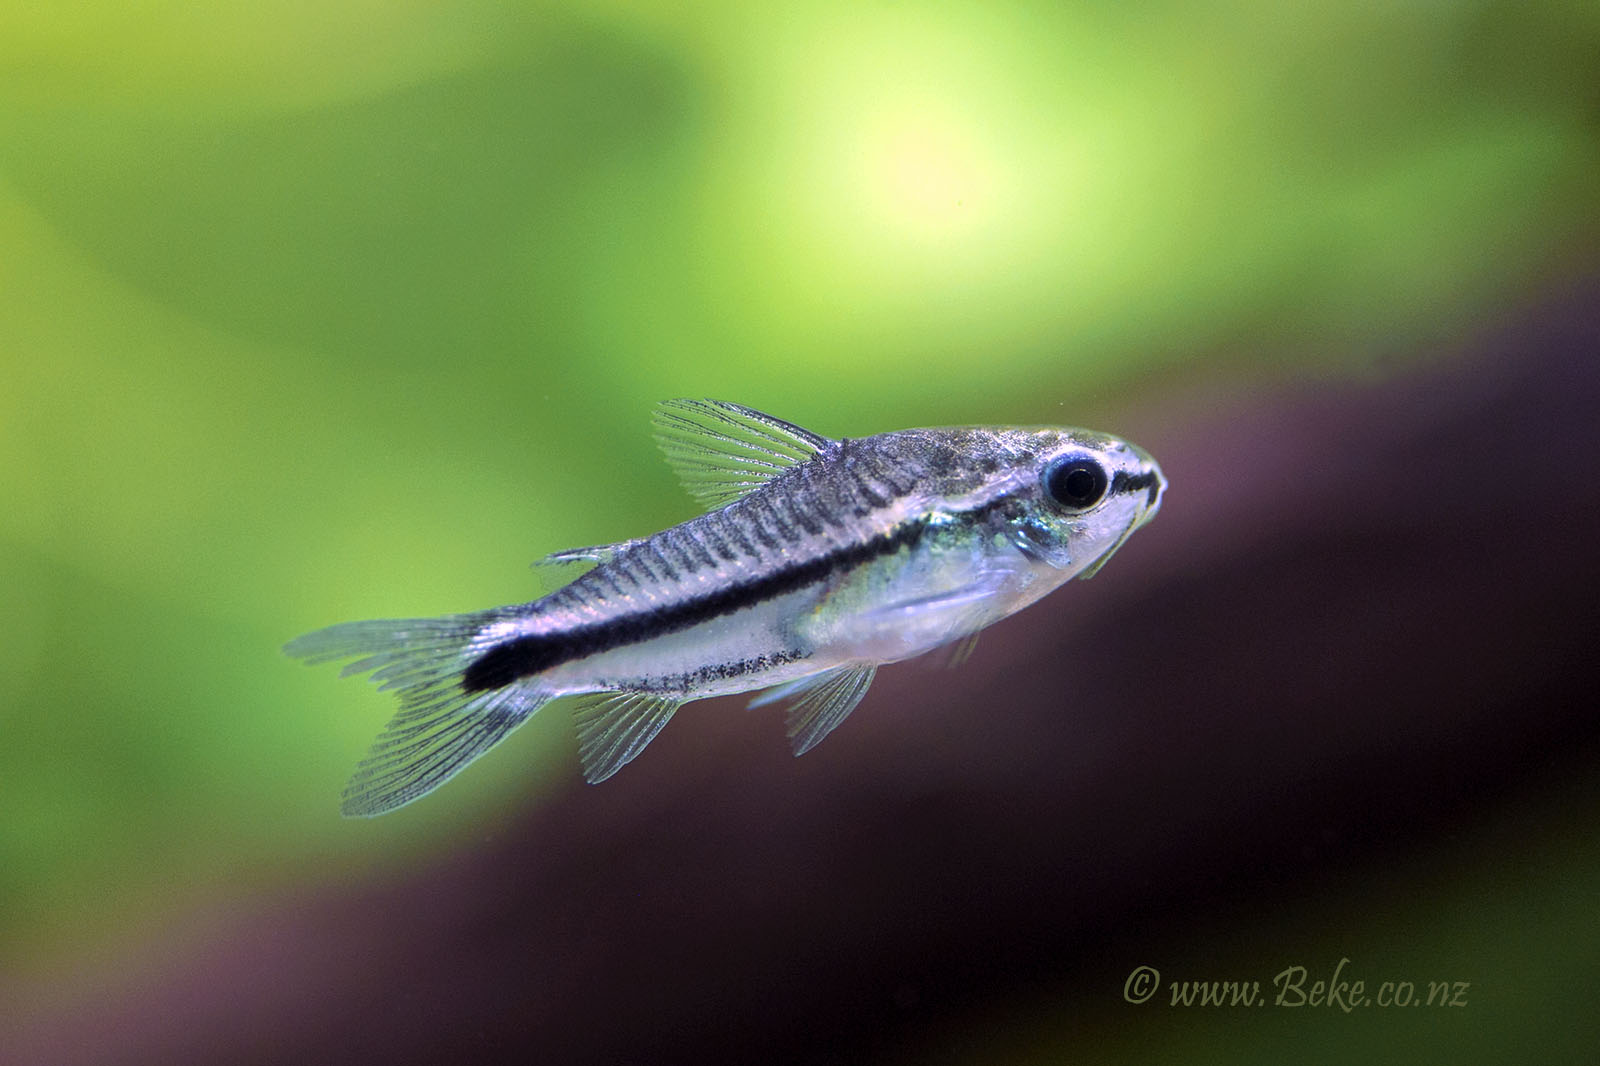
<point x="440" y="727"/>
<point x="614" y="727"/>
<point x="559" y="569"/>
<point x="787" y="691"/>
<point x="400" y="769"/>
<point x="720" y="451"/>
<point x="820" y="702"/>
<point x="594" y="553"/>
<point x="964" y="608"/>
<point x="958" y="651"/>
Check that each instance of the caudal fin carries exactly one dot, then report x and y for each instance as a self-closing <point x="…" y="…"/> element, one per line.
<point x="441" y="727"/>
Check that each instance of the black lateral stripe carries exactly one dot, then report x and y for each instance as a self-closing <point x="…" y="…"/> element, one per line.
<point x="535" y="653"/>
<point x="1133" y="482"/>
<point x="1130" y="483"/>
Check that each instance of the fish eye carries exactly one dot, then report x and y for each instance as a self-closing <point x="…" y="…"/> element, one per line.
<point x="1076" y="483"/>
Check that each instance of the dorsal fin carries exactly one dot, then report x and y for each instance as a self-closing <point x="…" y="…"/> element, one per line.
<point x="720" y="451"/>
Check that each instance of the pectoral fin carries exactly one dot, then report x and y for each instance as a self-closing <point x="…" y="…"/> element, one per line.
<point x="957" y="651"/>
<point x="963" y="613"/>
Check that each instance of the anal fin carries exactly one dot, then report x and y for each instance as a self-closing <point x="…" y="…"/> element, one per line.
<point x="614" y="727"/>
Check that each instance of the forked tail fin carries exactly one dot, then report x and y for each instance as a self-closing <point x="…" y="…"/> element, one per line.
<point x="441" y="726"/>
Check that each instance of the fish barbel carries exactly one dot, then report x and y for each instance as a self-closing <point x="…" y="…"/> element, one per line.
<point x="818" y="561"/>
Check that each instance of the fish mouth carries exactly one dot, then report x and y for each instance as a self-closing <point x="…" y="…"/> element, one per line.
<point x="1152" y="504"/>
<point x="1157" y="488"/>
<point x="1094" y="568"/>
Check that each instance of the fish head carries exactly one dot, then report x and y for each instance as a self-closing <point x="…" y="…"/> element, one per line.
<point x="1074" y="495"/>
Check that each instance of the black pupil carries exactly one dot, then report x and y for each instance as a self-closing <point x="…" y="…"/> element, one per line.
<point x="1080" y="483"/>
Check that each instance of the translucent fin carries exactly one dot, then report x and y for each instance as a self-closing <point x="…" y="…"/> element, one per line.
<point x="788" y="690"/>
<point x="596" y="553"/>
<point x="965" y="612"/>
<point x="959" y="650"/>
<point x="614" y="727"/>
<point x="820" y="702"/>
<point x="720" y="451"/>
<point x="440" y="728"/>
<point x="564" y="567"/>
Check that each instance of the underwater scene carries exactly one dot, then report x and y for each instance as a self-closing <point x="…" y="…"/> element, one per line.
<point x="807" y="739"/>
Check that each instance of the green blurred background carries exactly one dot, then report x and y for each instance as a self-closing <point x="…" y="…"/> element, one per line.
<point x="318" y="311"/>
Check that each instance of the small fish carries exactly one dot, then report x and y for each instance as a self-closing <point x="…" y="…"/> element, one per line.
<point x="818" y="561"/>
